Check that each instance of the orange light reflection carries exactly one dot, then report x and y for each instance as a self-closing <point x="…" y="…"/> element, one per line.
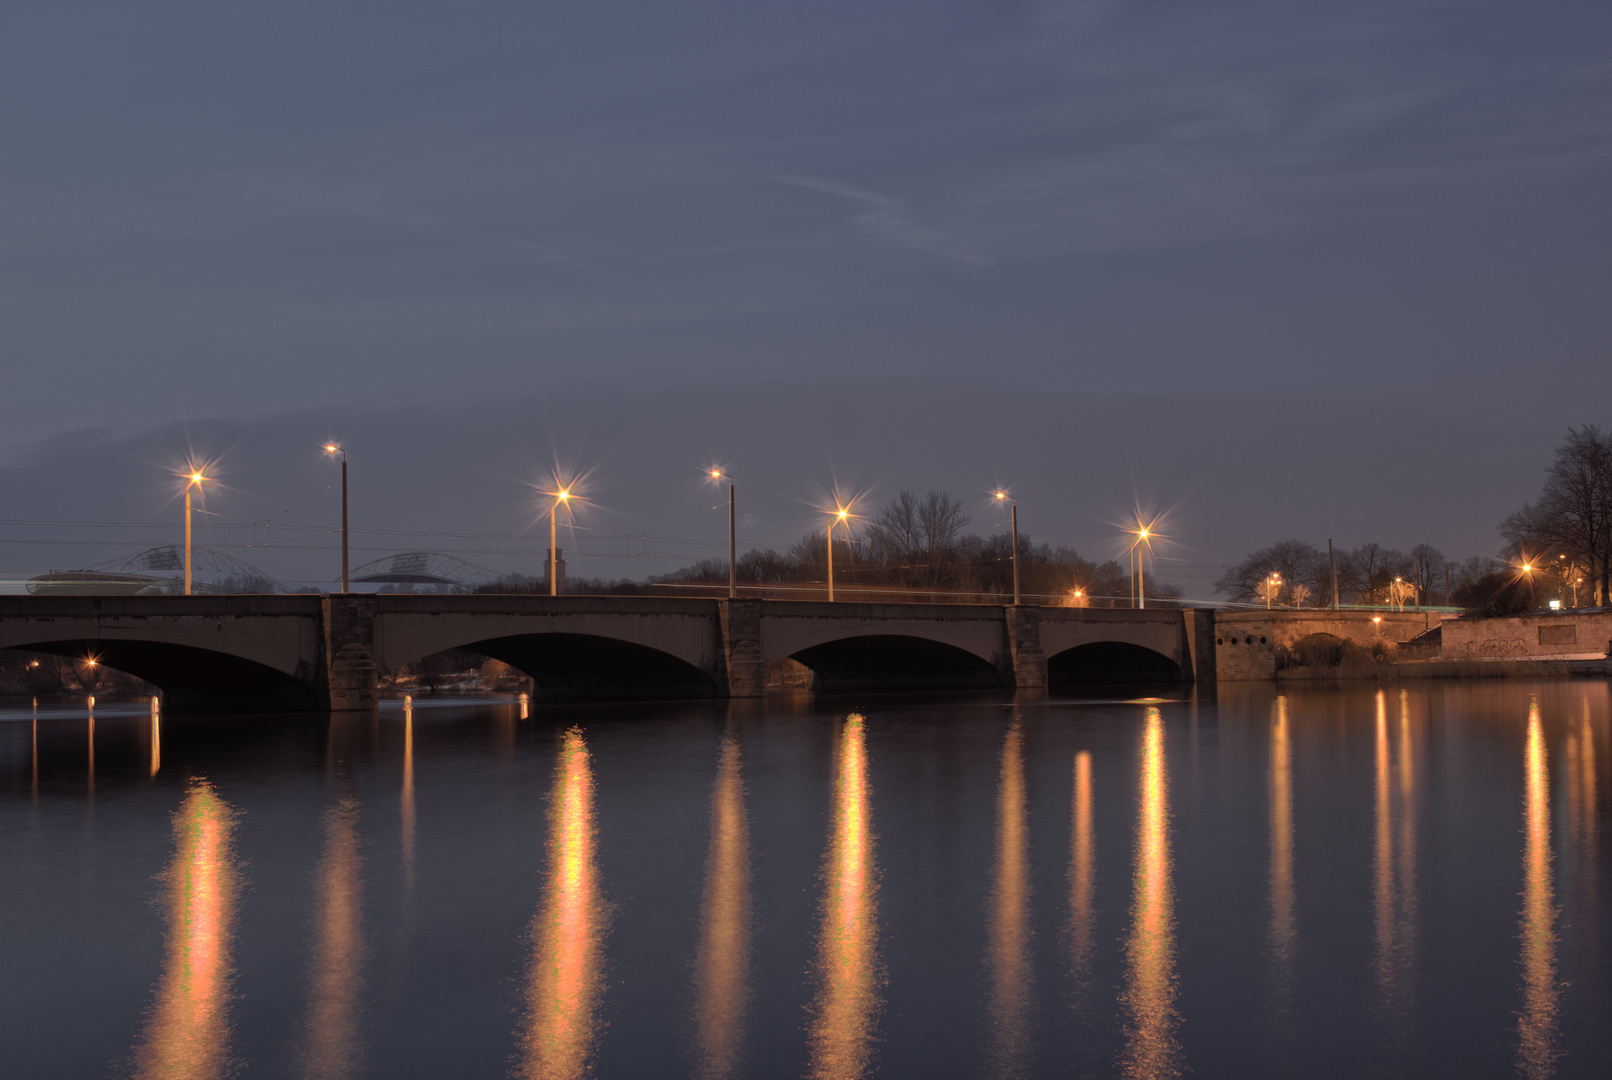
<point x="1152" y="1049"/>
<point x="1082" y="881"/>
<point x="1008" y="957"/>
<point x="187" y="1033"/>
<point x="1284" y="930"/>
<point x="563" y="985"/>
<point x="406" y="801"/>
<point x="331" y="1046"/>
<point x="722" y="966"/>
<point x="1537" y="1048"/>
<point x="847" y="1004"/>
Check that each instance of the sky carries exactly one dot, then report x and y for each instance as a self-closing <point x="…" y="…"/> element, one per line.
<point x="1278" y="269"/>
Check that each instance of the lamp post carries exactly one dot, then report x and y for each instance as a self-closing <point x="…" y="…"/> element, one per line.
<point x="333" y="449"/>
<point x="561" y="496"/>
<point x="1273" y="584"/>
<point x="1002" y="496"/>
<point x="196" y="480"/>
<point x="1144" y="538"/>
<point x="840" y="514"/>
<point x="733" y="546"/>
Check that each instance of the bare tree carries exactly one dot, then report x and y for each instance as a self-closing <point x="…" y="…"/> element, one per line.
<point x="1298" y="562"/>
<point x="1573" y="515"/>
<point x="896" y="538"/>
<point x="1427" y="570"/>
<point x="1374" y="569"/>
<point x="940" y="520"/>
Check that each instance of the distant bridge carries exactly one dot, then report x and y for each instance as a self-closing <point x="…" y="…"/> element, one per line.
<point x="293" y="653"/>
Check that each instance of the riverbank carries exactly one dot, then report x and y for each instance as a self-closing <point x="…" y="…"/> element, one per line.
<point x="1598" y="668"/>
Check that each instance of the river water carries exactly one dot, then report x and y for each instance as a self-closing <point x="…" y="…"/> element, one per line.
<point x="1406" y="881"/>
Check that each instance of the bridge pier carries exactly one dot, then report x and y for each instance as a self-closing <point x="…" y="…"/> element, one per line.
<point x="1028" y="662"/>
<point x="351" y="674"/>
<point x="744" y="666"/>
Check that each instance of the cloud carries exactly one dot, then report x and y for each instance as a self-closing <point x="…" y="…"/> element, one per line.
<point x="888" y="217"/>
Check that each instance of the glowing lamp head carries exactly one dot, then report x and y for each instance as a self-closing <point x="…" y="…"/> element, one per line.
<point x="196" y="477"/>
<point x="716" y="474"/>
<point x="92" y="661"/>
<point x="331" y="448"/>
<point x="1527" y="568"/>
<point x="843" y="515"/>
<point x="1000" y="495"/>
<point x="564" y="495"/>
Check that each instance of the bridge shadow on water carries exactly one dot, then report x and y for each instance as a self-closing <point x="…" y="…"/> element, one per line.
<point x="1104" y="663"/>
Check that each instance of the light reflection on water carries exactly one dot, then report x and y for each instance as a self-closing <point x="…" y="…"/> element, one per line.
<point x="406" y="799"/>
<point x="1082" y="884"/>
<point x="722" y="992"/>
<point x="847" y="1004"/>
<point x="1266" y="859"/>
<point x="1284" y="926"/>
<point x="1008" y="960"/>
<point x="1152" y="1049"/>
<point x="331" y="1048"/>
<point x="563" y="983"/>
<point x="1537" y="1048"/>
<point x="1394" y="885"/>
<point x="187" y="1035"/>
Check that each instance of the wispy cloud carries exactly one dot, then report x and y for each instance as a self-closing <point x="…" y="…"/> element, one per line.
<point x="889" y="218"/>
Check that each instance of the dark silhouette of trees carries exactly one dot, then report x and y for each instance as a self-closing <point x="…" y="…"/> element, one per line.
<point x="1573" y="515"/>
<point x="1299" y="563"/>
<point x="917" y="543"/>
<point x="1365" y="575"/>
<point x="1496" y="593"/>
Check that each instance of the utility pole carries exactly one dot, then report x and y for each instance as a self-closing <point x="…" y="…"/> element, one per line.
<point x="1332" y="570"/>
<point x="1015" y="553"/>
<point x="344" y="586"/>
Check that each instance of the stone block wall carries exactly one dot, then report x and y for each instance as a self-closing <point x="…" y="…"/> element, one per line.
<point x="1534" y="636"/>
<point x="1246" y="641"/>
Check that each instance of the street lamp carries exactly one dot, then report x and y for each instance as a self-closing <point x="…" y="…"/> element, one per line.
<point x="1144" y="537"/>
<point x="1272" y="584"/>
<point x="1002" y="496"/>
<point x="839" y="514"/>
<point x="196" y="479"/>
<point x="733" y="546"/>
<point x="332" y="449"/>
<point x="563" y="495"/>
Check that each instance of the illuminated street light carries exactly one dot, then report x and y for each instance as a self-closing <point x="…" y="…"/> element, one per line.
<point x="1002" y="496"/>
<point x="1272" y="584"/>
<point x="839" y="514"/>
<point x="733" y="546"/>
<point x="1144" y="538"/>
<point x="195" y="480"/>
<point x="563" y="495"/>
<point x="332" y="449"/>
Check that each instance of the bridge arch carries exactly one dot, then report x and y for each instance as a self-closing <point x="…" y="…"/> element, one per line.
<point x="591" y="667"/>
<point x="895" y="662"/>
<point x="192" y="679"/>
<point x="1098" y="662"/>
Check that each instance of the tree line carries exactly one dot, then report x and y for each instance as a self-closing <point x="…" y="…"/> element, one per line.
<point x="914" y="545"/>
<point x="1298" y="573"/>
<point x="918" y="543"/>
<point x="1558" y="547"/>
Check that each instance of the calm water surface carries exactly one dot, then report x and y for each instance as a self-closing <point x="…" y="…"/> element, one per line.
<point x="1328" y="882"/>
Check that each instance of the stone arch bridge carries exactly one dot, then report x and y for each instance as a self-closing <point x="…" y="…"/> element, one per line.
<point x="293" y="653"/>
